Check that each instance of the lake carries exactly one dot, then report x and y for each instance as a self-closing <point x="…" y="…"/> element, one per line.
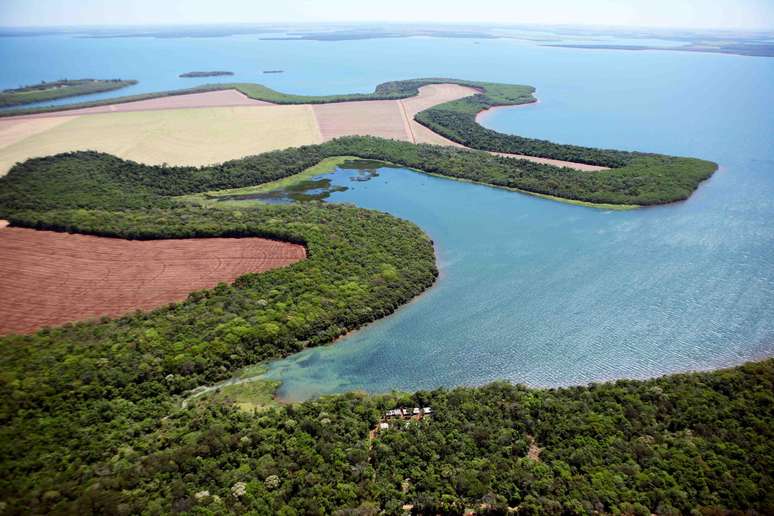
<point x="531" y="290"/>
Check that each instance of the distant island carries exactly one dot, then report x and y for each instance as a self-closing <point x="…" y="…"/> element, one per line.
<point x="59" y="89"/>
<point x="273" y="71"/>
<point x="216" y="73"/>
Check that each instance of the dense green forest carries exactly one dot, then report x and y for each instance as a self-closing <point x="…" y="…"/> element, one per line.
<point x="64" y="88"/>
<point x="88" y="179"/>
<point x="699" y="442"/>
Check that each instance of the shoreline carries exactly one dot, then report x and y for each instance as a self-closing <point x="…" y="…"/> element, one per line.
<point x="236" y="379"/>
<point x="485" y="113"/>
<point x="482" y="116"/>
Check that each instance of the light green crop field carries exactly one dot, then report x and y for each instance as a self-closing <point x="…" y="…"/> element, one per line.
<point x="177" y="137"/>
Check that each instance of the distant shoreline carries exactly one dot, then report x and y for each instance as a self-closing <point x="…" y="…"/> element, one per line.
<point x="55" y="90"/>
<point x="736" y="50"/>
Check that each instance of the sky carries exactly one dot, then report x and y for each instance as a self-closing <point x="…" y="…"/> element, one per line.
<point x="719" y="14"/>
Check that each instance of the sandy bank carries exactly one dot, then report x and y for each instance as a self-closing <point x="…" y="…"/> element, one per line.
<point x="481" y="120"/>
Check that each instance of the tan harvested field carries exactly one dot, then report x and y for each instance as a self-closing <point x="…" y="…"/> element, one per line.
<point x="49" y="278"/>
<point x="388" y="118"/>
<point x="221" y="98"/>
<point x="365" y="118"/>
<point x="430" y="96"/>
<point x="174" y="136"/>
<point x="12" y="131"/>
<point x="207" y="128"/>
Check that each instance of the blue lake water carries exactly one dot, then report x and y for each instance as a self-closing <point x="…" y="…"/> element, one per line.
<point x="531" y="290"/>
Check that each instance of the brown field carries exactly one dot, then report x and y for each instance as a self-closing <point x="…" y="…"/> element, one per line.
<point x="49" y="278"/>
<point x="207" y="128"/>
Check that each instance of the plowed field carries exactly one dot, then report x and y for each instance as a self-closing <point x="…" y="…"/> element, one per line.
<point x="49" y="278"/>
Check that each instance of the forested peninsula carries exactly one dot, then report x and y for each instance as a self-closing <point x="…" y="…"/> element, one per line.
<point x="64" y="88"/>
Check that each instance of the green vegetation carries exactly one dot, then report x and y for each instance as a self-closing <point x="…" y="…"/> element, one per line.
<point x="246" y="390"/>
<point x="215" y="198"/>
<point x="633" y="178"/>
<point x="73" y="399"/>
<point x="58" y="90"/>
<point x="251" y="397"/>
<point x="215" y="73"/>
<point x="90" y="180"/>
<point x="696" y="442"/>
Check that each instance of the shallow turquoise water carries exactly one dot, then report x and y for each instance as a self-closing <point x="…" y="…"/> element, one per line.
<point x="549" y="294"/>
<point x="531" y="290"/>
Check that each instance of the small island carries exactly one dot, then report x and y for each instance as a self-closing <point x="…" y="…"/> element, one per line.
<point x="216" y="73"/>
<point x="59" y="89"/>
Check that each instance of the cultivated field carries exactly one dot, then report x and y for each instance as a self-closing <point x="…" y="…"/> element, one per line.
<point x="174" y="136"/>
<point x="388" y="118"/>
<point x="207" y="128"/>
<point x="219" y="98"/>
<point x="364" y="118"/>
<point x="49" y="278"/>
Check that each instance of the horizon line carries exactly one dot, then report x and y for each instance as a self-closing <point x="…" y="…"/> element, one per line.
<point x="419" y="22"/>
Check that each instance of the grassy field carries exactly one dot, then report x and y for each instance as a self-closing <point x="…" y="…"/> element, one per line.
<point x="176" y="137"/>
<point x="249" y="392"/>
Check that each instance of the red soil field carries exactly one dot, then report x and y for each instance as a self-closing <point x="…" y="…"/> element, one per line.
<point x="49" y="278"/>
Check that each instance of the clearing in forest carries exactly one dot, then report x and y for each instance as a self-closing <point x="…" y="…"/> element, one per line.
<point x="49" y="278"/>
